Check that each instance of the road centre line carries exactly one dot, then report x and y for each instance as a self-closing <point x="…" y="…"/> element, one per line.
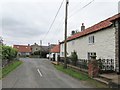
<point x="39" y="72"/>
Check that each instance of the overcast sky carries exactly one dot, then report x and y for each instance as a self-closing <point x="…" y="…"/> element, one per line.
<point x="27" y="21"/>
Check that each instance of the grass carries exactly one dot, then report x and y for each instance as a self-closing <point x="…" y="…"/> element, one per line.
<point x="9" y="68"/>
<point x="72" y="73"/>
<point x="81" y="76"/>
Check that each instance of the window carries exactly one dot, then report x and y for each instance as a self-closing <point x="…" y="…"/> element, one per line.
<point x="91" y="54"/>
<point x="91" y="39"/>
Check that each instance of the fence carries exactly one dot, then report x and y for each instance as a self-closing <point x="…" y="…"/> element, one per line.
<point x="105" y="65"/>
<point x="5" y="62"/>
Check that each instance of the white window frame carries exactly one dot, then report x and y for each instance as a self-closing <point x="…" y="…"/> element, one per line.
<point x="89" y="54"/>
<point x="91" y="39"/>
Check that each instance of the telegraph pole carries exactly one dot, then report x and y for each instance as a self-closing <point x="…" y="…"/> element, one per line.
<point x="65" y="41"/>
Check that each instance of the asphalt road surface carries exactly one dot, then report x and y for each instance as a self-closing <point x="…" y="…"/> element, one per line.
<point x="39" y="73"/>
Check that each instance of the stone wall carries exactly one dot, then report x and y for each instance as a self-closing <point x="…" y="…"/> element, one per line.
<point x="116" y="45"/>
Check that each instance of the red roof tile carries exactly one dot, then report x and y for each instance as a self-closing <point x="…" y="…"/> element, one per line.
<point x="23" y="48"/>
<point x="97" y="27"/>
<point x="55" y="49"/>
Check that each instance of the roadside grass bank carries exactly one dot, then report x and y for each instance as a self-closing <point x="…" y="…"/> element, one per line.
<point x="81" y="76"/>
<point x="9" y="68"/>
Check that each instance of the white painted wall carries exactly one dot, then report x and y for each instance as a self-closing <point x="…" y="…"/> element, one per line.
<point x="56" y="56"/>
<point x="104" y="45"/>
<point x="21" y="53"/>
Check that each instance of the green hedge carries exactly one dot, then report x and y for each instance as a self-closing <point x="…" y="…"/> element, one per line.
<point x="8" y="53"/>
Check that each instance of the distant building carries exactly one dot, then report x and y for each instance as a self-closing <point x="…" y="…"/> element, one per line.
<point x="37" y="47"/>
<point x="51" y="46"/>
<point x="55" y="53"/>
<point x="23" y="50"/>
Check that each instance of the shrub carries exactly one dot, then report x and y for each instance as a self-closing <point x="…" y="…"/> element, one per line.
<point x="74" y="58"/>
<point x="42" y="54"/>
<point x="8" y="53"/>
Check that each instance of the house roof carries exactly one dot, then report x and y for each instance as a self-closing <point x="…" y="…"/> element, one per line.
<point x="52" y="45"/>
<point x="97" y="27"/>
<point x="23" y="48"/>
<point x="55" y="49"/>
<point x="45" y="48"/>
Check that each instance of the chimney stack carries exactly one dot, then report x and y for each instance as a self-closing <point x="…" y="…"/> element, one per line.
<point x="28" y="44"/>
<point x="82" y="27"/>
<point x="73" y="32"/>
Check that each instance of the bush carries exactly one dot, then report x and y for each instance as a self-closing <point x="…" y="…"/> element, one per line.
<point x="8" y="53"/>
<point x="42" y="54"/>
<point x="27" y="55"/>
<point x="74" y="58"/>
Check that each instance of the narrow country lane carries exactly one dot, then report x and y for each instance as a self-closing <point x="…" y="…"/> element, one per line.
<point x="39" y="73"/>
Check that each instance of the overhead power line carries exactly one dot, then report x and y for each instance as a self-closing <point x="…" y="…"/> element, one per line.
<point x="74" y="8"/>
<point x="61" y="25"/>
<point x="81" y="9"/>
<point x="54" y="19"/>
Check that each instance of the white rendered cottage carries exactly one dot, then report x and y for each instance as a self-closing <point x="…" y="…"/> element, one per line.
<point x="55" y="53"/>
<point x="98" y="40"/>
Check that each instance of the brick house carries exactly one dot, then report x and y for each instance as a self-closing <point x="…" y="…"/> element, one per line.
<point x="23" y="50"/>
<point x="99" y="40"/>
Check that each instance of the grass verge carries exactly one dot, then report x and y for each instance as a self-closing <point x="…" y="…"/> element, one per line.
<point x="6" y="70"/>
<point x="81" y="76"/>
<point x="72" y="73"/>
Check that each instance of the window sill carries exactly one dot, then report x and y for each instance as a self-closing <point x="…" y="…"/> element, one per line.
<point x="91" y="44"/>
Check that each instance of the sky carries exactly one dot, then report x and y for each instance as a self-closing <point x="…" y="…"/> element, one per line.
<point x="26" y="22"/>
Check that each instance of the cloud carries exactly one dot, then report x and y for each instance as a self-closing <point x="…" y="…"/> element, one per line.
<point x="7" y="22"/>
<point x="27" y="21"/>
<point x="17" y="29"/>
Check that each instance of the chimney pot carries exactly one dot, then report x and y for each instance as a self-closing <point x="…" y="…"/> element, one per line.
<point x="82" y="27"/>
<point x="82" y="24"/>
<point x="73" y="32"/>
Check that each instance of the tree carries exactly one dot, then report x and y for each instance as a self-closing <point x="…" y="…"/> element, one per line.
<point x="42" y="54"/>
<point x="1" y="40"/>
<point x="8" y="53"/>
<point x="74" y="58"/>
